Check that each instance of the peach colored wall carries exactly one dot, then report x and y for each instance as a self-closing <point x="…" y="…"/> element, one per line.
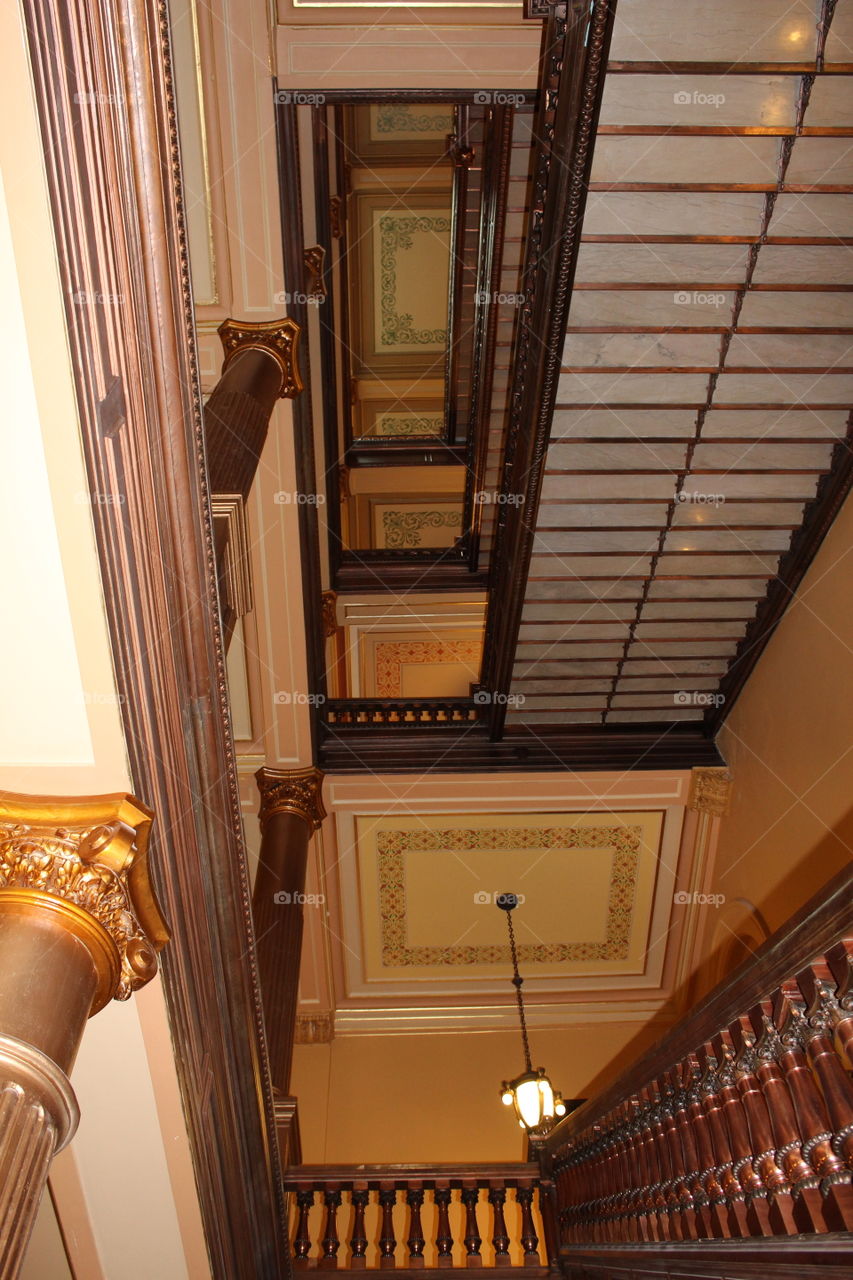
<point x="435" y="1097"/>
<point x="789" y="744"/>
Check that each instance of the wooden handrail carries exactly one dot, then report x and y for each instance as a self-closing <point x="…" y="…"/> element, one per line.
<point x="455" y="1175"/>
<point x="815" y="927"/>
<point x="739" y="1124"/>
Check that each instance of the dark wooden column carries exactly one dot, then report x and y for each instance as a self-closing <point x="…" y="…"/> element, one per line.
<point x="260" y="367"/>
<point x="291" y="810"/>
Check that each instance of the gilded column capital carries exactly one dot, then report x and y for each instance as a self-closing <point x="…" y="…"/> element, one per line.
<point x="710" y="791"/>
<point x="278" y="338"/>
<point x="82" y="863"/>
<point x="296" y="791"/>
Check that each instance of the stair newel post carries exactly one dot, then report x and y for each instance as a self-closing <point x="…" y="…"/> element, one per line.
<point x="416" y="1241"/>
<point x="328" y="1260"/>
<point x="500" y="1239"/>
<point x="443" y="1238"/>
<point x="529" y="1238"/>
<point x="472" y="1239"/>
<point x="302" y="1238"/>
<point x="359" y="1197"/>
<point x="387" y="1239"/>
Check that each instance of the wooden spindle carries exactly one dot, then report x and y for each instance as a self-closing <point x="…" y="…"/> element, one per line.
<point x="416" y="1241"/>
<point x="330" y="1244"/>
<point x="358" y="1240"/>
<point x="387" y="1239"/>
<point x="529" y="1238"/>
<point x="500" y="1238"/>
<point x="443" y="1238"/>
<point x="302" y="1238"/>
<point x="471" y="1239"/>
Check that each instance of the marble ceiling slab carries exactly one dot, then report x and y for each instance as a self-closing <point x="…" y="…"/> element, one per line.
<point x="775" y="423"/>
<point x="687" y="268"/>
<point x="588" y="516"/>
<point x="692" y="515"/>
<point x="694" y="158"/>
<point x="616" y="456"/>
<point x="699" y="539"/>
<point x="821" y="161"/>
<point x="627" y="424"/>
<point x="803" y="264"/>
<point x="799" y="310"/>
<point x="728" y="30"/>
<point x="784" y="388"/>
<point x="641" y="349"/>
<point x="755" y="455"/>
<point x="632" y="388"/>
<point x="688" y="99"/>
<point x="782" y="350"/>
<point x="797" y="214"/>
<point x="651" y="308"/>
<point x="677" y="213"/>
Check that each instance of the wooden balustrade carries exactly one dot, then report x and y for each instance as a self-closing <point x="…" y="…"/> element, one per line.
<point x="445" y="1209"/>
<point x="738" y="1126"/>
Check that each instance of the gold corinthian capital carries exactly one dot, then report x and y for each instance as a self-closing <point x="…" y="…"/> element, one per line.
<point x="82" y="864"/>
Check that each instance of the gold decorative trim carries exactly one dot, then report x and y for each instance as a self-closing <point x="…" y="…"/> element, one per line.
<point x="292" y="791"/>
<point x="315" y="285"/>
<point x="336" y="217"/>
<point x="330" y="615"/>
<point x="278" y="338"/>
<point x="710" y="791"/>
<point x="85" y="860"/>
<point x="314" y="1028"/>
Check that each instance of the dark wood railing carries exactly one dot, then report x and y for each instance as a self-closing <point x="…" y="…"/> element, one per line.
<point x="737" y="1126"/>
<point x="416" y="1217"/>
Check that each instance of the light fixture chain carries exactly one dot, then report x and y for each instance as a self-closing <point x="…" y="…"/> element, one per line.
<point x="517" y="981"/>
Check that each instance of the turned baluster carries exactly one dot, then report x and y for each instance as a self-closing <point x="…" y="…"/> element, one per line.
<point x="771" y="1210"/>
<point x="699" y="1224"/>
<point x="827" y="1019"/>
<point x="716" y="1200"/>
<point x="302" y="1239"/>
<point x="808" y="1213"/>
<point x="750" y="1207"/>
<point x="812" y="1118"/>
<point x="683" y="1216"/>
<point x="621" y="1220"/>
<point x="358" y="1240"/>
<point x="330" y="1243"/>
<point x="529" y="1238"/>
<point x="644" y="1208"/>
<point x="655" y="1202"/>
<point x="733" y="1218"/>
<point x="500" y="1238"/>
<point x="387" y="1239"/>
<point x="416" y="1241"/>
<point x="663" y="1159"/>
<point x="443" y="1239"/>
<point x="472" y="1240"/>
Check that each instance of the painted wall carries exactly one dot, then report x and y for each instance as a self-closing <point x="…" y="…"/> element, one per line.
<point x="123" y="1190"/>
<point x="789" y="744"/>
<point x="410" y="1098"/>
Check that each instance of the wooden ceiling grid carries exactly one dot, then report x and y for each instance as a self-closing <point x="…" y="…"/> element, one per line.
<point x="706" y="375"/>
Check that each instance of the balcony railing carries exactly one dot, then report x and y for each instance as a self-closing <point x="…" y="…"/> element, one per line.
<point x="432" y="1217"/>
<point x="738" y="1126"/>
